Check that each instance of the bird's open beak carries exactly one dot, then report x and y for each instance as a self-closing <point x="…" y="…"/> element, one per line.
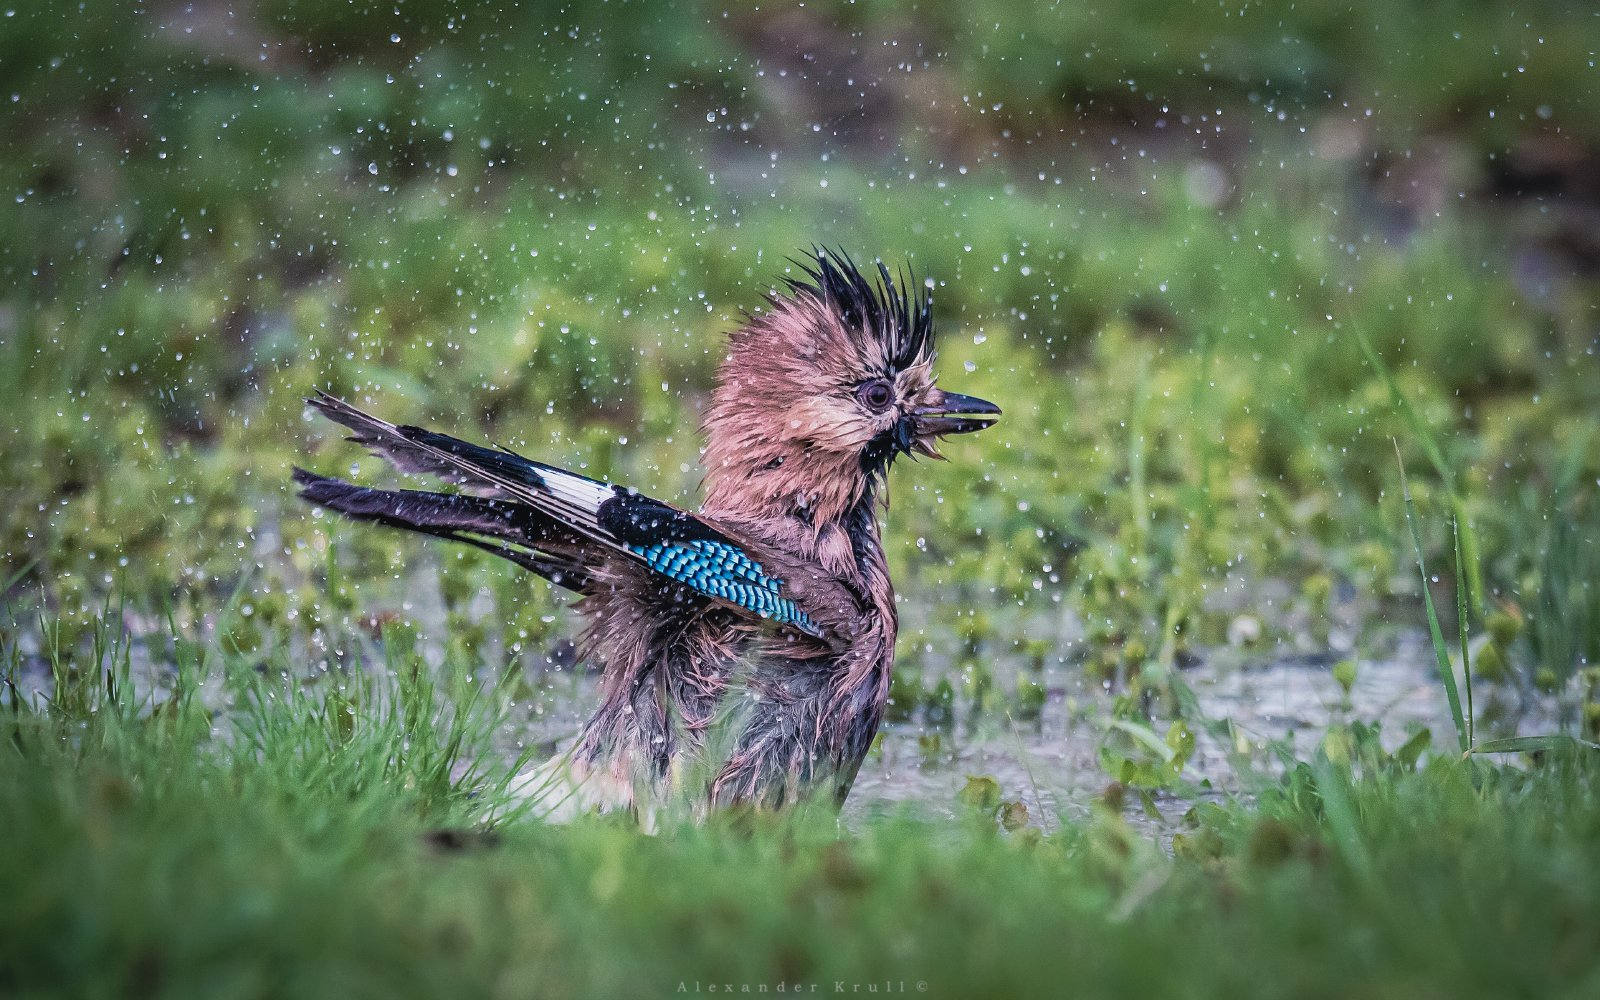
<point x="953" y="414"/>
<point x="956" y="414"/>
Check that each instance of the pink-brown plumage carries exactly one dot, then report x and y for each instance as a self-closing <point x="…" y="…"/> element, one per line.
<point x="758" y="687"/>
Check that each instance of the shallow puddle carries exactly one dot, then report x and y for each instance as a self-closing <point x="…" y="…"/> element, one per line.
<point x="1051" y="762"/>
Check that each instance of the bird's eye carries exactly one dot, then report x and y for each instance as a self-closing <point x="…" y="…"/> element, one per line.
<point x="875" y="395"/>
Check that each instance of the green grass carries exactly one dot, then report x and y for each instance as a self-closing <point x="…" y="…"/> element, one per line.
<point x="306" y="844"/>
<point x="303" y="856"/>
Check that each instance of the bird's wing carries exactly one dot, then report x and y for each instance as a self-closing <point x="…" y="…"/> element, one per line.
<point x="672" y="543"/>
<point x="506" y="529"/>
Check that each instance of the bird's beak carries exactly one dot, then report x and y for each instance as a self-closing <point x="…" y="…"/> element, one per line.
<point x="956" y="414"/>
<point x="952" y="414"/>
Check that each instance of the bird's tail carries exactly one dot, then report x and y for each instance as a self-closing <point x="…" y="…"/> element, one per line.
<point x="507" y="529"/>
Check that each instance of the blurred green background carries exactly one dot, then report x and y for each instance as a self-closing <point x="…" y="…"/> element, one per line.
<point x="1155" y="232"/>
<point x="1218" y="263"/>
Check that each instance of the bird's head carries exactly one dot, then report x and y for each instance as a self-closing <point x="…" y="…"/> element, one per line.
<point x="818" y="394"/>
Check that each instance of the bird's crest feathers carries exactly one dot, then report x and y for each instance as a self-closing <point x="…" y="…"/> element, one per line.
<point x="894" y="317"/>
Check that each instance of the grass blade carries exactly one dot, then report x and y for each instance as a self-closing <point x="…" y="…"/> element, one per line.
<point x="27" y="567"/>
<point x="1441" y="652"/>
<point x="1461" y="631"/>
<point x="1530" y="744"/>
<point x="1138" y="495"/>
<point x="1146" y="737"/>
<point x="1430" y="447"/>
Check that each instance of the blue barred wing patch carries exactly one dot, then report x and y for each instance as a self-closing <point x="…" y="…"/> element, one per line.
<point x="721" y="570"/>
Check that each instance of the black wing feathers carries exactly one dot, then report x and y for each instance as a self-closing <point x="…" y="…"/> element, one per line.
<point x="636" y="519"/>
<point x="514" y="528"/>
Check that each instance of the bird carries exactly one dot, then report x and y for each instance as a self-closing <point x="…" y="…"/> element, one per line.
<point x="745" y="648"/>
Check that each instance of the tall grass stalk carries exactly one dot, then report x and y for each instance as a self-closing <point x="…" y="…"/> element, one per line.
<point x="1461" y="630"/>
<point x="1435" y="454"/>
<point x="1441" y="652"/>
<point x="1138" y="489"/>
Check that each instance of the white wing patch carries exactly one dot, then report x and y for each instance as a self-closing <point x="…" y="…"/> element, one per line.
<point x="579" y="497"/>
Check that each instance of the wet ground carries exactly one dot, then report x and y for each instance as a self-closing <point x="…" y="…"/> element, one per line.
<point x="1053" y="765"/>
<point x="1051" y="762"/>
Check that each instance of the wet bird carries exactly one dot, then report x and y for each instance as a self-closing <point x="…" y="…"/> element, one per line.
<point x="745" y="648"/>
